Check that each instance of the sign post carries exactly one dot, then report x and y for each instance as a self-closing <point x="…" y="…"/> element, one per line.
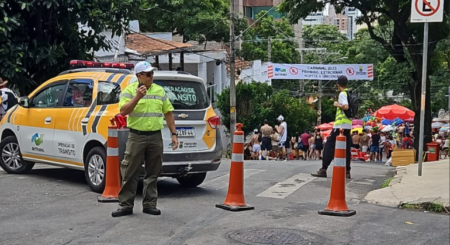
<point x="425" y="11"/>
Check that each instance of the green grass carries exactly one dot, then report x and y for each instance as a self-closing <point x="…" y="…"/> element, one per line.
<point x="386" y="182"/>
<point x="427" y="206"/>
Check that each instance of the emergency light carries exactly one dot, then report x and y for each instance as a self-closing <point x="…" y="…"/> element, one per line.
<point x="86" y="63"/>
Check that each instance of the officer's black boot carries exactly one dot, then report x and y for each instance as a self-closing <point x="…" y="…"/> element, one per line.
<point x="122" y="212"/>
<point x="152" y="211"/>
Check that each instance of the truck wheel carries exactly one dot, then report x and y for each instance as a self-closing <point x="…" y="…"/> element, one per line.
<point x="192" y="180"/>
<point x="11" y="157"/>
<point x="95" y="169"/>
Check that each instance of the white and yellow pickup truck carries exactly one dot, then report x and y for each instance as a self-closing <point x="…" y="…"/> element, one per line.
<point x="64" y="122"/>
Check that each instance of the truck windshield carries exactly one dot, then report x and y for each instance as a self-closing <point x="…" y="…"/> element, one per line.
<point x="185" y="94"/>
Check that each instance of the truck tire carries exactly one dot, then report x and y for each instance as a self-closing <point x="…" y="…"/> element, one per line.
<point x="95" y="169"/>
<point x="11" y="158"/>
<point x="192" y="180"/>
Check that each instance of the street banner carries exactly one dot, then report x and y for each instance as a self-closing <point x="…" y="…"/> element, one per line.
<point x="320" y="72"/>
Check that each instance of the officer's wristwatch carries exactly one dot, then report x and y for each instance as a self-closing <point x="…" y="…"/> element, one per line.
<point x="175" y="134"/>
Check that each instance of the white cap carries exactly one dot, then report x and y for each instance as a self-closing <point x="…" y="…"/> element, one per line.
<point x="143" y="66"/>
<point x="280" y="118"/>
<point x="255" y="130"/>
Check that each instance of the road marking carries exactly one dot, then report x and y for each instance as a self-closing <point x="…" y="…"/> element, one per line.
<point x="285" y="188"/>
<point x="222" y="181"/>
<point x="361" y="183"/>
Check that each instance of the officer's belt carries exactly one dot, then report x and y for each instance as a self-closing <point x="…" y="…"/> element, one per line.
<point x="144" y="132"/>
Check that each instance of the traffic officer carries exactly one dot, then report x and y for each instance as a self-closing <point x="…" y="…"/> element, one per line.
<point x="145" y="104"/>
<point x="341" y="122"/>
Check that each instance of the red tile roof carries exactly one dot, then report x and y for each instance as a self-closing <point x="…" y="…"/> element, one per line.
<point x="145" y="45"/>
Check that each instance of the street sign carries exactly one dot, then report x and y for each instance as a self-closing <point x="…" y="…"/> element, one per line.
<point x="427" y="11"/>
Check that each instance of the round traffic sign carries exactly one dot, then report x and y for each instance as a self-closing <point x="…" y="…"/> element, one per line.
<point x="428" y="8"/>
<point x="293" y="70"/>
<point x="350" y="71"/>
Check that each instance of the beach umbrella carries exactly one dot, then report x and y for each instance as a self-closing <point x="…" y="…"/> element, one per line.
<point x="394" y="111"/>
<point x="396" y="121"/>
<point x="387" y="128"/>
<point x="357" y="122"/>
<point x="359" y="130"/>
<point x="325" y="126"/>
<point x="326" y="133"/>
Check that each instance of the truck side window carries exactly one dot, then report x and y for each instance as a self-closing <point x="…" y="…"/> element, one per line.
<point x="79" y="93"/>
<point x="48" y="97"/>
<point x="108" y="93"/>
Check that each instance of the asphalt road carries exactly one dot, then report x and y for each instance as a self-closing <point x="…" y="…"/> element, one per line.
<point x="55" y="206"/>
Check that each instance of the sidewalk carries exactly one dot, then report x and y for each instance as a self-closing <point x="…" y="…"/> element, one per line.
<point x="408" y="187"/>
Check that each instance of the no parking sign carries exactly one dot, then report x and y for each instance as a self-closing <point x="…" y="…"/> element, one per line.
<point x="427" y="11"/>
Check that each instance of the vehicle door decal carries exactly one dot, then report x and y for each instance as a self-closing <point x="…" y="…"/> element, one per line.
<point x="121" y="79"/>
<point x="92" y="107"/>
<point x="103" y="108"/>
<point x="12" y="112"/>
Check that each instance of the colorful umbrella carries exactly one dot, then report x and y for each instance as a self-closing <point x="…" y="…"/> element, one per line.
<point x="326" y="133"/>
<point x="388" y="128"/>
<point x="396" y="121"/>
<point x="437" y="125"/>
<point x="359" y="130"/>
<point x="357" y="126"/>
<point x="325" y="126"/>
<point x="357" y="122"/>
<point x="394" y="111"/>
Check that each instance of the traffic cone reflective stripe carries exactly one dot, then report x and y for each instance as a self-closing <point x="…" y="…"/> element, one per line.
<point x="235" y="200"/>
<point x="237" y="154"/>
<point x="337" y="205"/>
<point x="112" y="175"/>
<point x="339" y="152"/>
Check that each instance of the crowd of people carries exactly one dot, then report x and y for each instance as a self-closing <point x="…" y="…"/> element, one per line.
<point x="273" y="143"/>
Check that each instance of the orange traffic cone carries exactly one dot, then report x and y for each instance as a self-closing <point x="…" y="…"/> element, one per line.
<point x="337" y="205"/>
<point x="235" y="200"/>
<point x="112" y="184"/>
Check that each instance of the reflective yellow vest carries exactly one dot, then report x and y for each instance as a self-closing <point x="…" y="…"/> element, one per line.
<point x="149" y="112"/>
<point x="341" y="118"/>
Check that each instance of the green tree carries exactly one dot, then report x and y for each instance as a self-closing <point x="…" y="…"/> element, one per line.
<point x="404" y="43"/>
<point x="297" y="114"/>
<point x="283" y="45"/>
<point x="325" y="36"/>
<point x="440" y="76"/>
<point x="252" y="105"/>
<point x="195" y="20"/>
<point x="38" y="38"/>
<point x="257" y="101"/>
<point x="328" y="110"/>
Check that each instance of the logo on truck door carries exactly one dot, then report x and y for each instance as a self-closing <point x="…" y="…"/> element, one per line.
<point x="37" y="139"/>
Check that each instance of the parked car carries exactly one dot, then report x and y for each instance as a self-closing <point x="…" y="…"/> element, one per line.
<point x="64" y="122"/>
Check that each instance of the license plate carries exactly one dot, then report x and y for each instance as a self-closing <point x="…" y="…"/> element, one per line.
<point x="186" y="132"/>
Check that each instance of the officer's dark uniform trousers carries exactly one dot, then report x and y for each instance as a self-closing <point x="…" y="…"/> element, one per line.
<point x="142" y="146"/>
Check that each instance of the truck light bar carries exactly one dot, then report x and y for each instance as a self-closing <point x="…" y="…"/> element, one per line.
<point x="86" y="63"/>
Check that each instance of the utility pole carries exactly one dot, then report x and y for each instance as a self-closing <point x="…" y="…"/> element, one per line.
<point x="269" y="49"/>
<point x="319" y="99"/>
<point x="232" y="75"/>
